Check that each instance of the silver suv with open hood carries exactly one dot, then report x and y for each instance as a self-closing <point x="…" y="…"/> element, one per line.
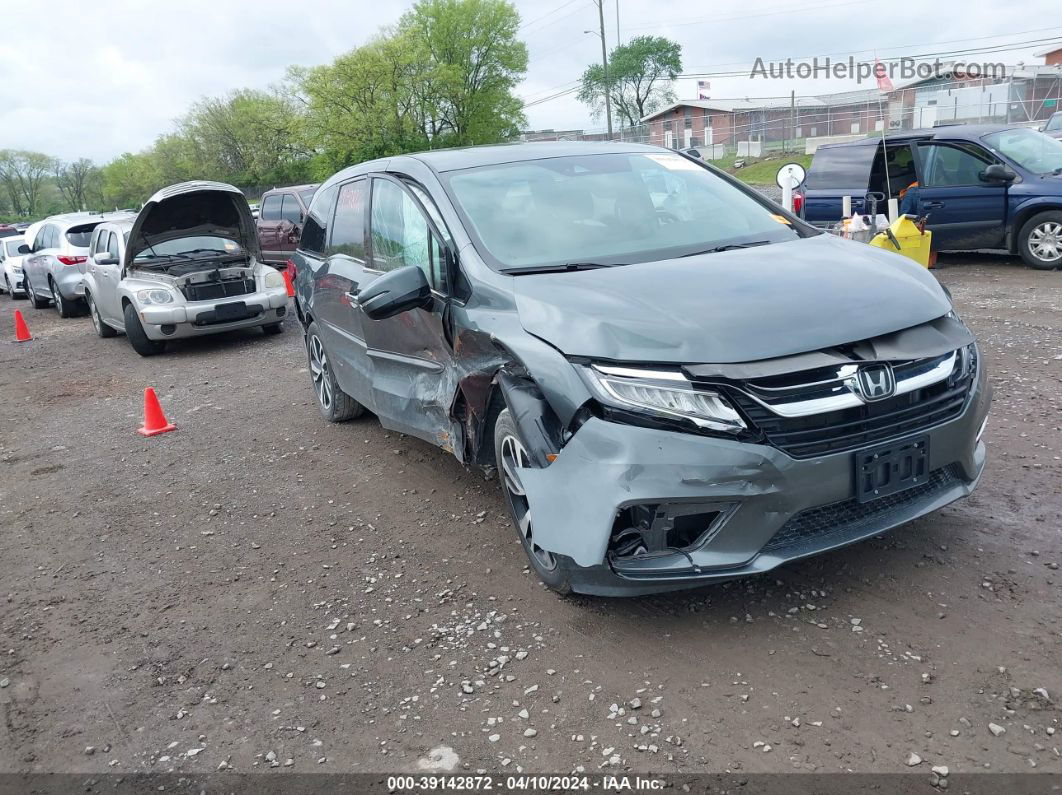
<point x="188" y="265"/>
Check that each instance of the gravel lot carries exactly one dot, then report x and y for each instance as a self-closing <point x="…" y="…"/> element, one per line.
<point x="260" y="589"/>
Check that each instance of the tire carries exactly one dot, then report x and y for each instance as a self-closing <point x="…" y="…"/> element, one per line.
<point x="272" y="328"/>
<point x="137" y="338"/>
<point x="334" y="404"/>
<point x="65" y="307"/>
<point x="102" y="329"/>
<point x="509" y="450"/>
<point x="1040" y="241"/>
<point x="35" y="302"/>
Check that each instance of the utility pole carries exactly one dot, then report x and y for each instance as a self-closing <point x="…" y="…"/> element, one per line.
<point x="604" y="65"/>
<point x="617" y="24"/>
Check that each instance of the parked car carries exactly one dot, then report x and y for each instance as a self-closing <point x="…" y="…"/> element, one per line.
<point x="1053" y="126"/>
<point x="187" y="265"/>
<point x="981" y="186"/>
<point x="280" y="218"/>
<point x="11" y="265"/>
<point x="677" y="395"/>
<point x="54" y="262"/>
<point x="7" y="230"/>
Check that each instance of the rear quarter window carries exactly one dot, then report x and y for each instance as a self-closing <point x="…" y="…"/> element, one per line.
<point x="315" y="230"/>
<point x="841" y="167"/>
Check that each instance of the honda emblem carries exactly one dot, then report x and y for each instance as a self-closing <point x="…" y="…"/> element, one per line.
<point x="875" y="382"/>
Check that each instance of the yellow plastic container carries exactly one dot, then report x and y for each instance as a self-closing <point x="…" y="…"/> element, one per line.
<point x="906" y="239"/>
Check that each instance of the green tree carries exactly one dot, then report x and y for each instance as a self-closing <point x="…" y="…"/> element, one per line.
<point x="245" y="137"/>
<point x="640" y="79"/>
<point x="472" y="62"/>
<point x="23" y="175"/>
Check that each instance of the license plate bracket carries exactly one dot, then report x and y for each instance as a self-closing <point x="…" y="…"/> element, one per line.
<point x="891" y="468"/>
<point x="234" y="310"/>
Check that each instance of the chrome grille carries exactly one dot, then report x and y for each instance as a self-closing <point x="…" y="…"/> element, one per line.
<point x="780" y="407"/>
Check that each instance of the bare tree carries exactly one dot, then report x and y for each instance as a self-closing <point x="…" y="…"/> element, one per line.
<point x="74" y="180"/>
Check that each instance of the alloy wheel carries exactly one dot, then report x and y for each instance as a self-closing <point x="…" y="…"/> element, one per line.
<point x="94" y="313"/>
<point x="322" y="380"/>
<point x="1045" y="241"/>
<point x="514" y="457"/>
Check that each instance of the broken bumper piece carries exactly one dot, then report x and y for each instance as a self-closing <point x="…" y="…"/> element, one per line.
<point x="740" y="508"/>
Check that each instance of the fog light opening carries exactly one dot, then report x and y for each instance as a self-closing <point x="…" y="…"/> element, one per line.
<point x="665" y="528"/>
<point x="167" y="328"/>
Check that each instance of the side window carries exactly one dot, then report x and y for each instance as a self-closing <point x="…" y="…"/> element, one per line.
<point x="112" y="245"/>
<point x="401" y="235"/>
<point x="99" y="245"/>
<point x="315" y="230"/>
<point x="290" y="209"/>
<point x="946" y="166"/>
<point x="348" y="226"/>
<point x="270" y="209"/>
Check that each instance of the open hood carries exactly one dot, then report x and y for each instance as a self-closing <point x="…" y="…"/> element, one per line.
<point x="734" y="306"/>
<point x="193" y="208"/>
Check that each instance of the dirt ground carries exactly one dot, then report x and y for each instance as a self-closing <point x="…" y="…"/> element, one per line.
<point x="261" y="589"/>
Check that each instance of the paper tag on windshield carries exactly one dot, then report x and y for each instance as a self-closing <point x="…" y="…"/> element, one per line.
<point x="674" y="162"/>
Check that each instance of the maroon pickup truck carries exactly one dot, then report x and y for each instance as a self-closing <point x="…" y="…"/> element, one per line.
<point x="280" y="219"/>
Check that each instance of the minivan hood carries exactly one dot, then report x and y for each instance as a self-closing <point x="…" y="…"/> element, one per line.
<point x="734" y="306"/>
<point x="193" y="208"/>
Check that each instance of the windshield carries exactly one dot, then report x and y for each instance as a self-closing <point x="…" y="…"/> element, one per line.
<point x="1054" y="123"/>
<point x="12" y="247"/>
<point x="197" y="246"/>
<point x="607" y="209"/>
<point x="1030" y="149"/>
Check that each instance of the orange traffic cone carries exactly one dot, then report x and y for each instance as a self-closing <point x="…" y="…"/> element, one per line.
<point x="154" y="420"/>
<point x="288" y="284"/>
<point x="21" y="329"/>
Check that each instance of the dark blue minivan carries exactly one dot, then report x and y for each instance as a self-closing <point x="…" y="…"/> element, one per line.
<point x="981" y="186"/>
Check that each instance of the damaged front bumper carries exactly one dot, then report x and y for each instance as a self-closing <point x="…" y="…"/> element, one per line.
<point x="761" y="507"/>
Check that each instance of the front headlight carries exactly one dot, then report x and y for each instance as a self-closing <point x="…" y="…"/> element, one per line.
<point x="155" y="296"/>
<point x="664" y="393"/>
<point x="273" y="279"/>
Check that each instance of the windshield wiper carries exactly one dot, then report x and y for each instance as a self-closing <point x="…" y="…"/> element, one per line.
<point x="566" y="267"/>
<point x="728" y="247"/>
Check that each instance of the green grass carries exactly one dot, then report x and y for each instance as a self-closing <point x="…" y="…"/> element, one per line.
<point x="762" y="171"/>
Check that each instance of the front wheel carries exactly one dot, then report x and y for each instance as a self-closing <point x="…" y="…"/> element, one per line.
<point x="334" y="404"/>
<point x="35" y="302"/>
<point x="511" y="456"/>
<point x="138" y="338"/>
<point x="102" y="329"/>
<point x="1040" y="241"/>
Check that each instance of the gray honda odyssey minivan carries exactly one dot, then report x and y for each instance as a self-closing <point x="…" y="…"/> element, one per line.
<point x="676" y="382"/>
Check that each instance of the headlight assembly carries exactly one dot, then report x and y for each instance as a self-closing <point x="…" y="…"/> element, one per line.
<point x="663" y="393"/>
<point x="154" y="296"/>
<point x="273" y="279"/>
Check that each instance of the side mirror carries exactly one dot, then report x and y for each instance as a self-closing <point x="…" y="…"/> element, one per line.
<point x="694" y="153"/>
<point x="23" y="249"/>
<point x="997" y="173"/>
<point x="106" y="260"/>
<point x="396" y="292"/>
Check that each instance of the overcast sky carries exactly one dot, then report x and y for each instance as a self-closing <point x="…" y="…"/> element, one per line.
<point x="99" y="78"/>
